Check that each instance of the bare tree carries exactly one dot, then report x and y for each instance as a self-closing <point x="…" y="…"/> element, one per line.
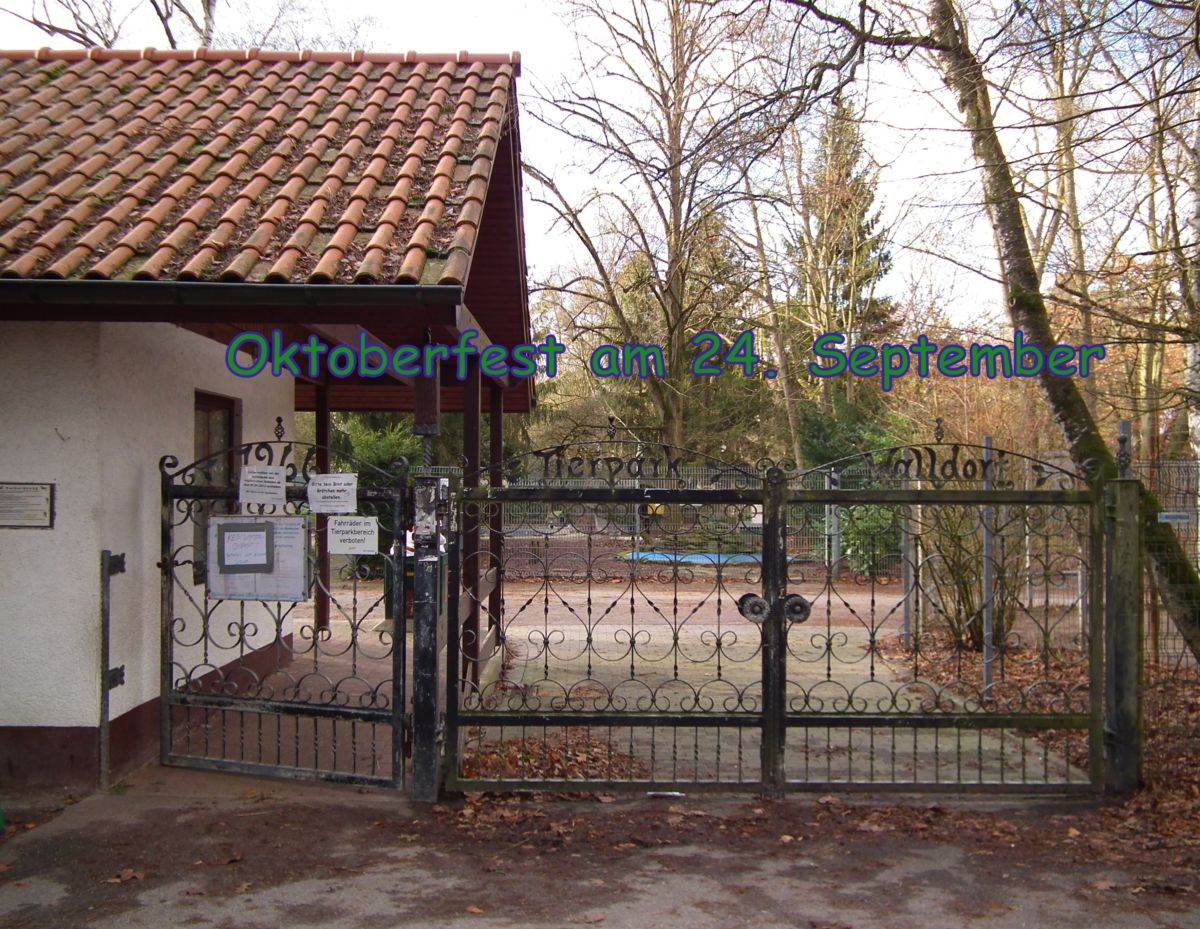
<point x="941" y="32"/>
<point x="653" y="109"/>
<point x="280" y="24"/>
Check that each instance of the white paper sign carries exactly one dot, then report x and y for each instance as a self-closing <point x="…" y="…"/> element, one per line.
<point x="353" y="535"/>
<point x="288" y="578"/>
<point x="333" y="493"/>
<point x="262" y="485"/>
<point x="246" y="548"/>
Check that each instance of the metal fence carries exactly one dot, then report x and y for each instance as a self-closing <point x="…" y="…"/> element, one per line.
<point x="1176" y="484"/>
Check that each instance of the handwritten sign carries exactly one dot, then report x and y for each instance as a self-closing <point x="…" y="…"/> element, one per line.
<point x="245" y="547"/>
<point x="353" y="535"/>
<point x="333" y="493"/>
<point x="262" y="485"/>
<point x="285" y="575"/>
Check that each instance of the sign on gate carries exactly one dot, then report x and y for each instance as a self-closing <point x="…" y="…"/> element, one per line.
<point x="279" y="666"/>
<point x="333" y="493"/>
<point x="353" y="535"/>
<point x="258" y="558"/>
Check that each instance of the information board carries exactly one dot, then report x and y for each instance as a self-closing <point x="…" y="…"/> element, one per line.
<point x="26" y="506"/>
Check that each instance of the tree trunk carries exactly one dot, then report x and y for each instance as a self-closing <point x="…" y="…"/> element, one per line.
<point x="1173" y="570"/>
<point x="784" y="378"/>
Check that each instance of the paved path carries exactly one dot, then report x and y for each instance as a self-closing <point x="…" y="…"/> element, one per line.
<point x="205" y="850"/>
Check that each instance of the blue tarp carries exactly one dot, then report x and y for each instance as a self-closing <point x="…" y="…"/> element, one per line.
<point x="701" y="559"/>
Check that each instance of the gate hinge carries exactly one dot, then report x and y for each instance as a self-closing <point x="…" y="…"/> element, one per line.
<point x="116" y="563"/>
<point x="115" y="677"/>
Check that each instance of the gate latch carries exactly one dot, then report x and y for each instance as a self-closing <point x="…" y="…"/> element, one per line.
<point x="795" y="608"/>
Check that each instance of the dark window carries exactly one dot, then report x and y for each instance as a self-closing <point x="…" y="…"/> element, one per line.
<point x="216" y="432"/>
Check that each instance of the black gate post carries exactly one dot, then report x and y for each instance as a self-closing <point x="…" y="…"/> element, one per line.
<point x="774" y="635"/>
<point x="1123" y="642"/>
<point x="393" y="594"/>
<point x="426" y="760"/>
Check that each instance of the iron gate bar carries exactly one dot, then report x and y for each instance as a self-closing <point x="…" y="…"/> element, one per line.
<point x="1096" y="644"/>
<point x="1081" y="721"/>
<point x="774" y="633"/>
<point x="287" y="772"/>
<point x="718" y="495"/>
<point x="608" y="495"/>
<point x="381" y="494"/>
<point x="1056" y="496"/>
<point x="314" y="710"/>
<point x="941" y="496"/>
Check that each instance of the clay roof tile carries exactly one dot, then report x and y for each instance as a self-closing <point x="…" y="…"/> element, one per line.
<point x="248" y="164"/>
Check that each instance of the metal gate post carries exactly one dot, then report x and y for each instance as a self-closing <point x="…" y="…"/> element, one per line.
<point x="774" y="633"/>
<point x="110" y="564"/>
<point x="426" y="760"/>
<point x="166" y="566"/>
<point x="1123" y="636"/>
<point x="394" y="601"/>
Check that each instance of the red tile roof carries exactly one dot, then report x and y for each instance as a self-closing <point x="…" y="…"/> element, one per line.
<point x="247" y="166"/>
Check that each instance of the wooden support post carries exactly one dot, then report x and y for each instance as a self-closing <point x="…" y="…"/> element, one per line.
<point x="472" y="417"/>
<point x="427" y="414"/>
<point x="1123" y="644"/>
<point x="496" y="513"/>
<point x="322" y="598"/>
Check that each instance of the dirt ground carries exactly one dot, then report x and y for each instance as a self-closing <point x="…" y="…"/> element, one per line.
<point x="184" y="848"/>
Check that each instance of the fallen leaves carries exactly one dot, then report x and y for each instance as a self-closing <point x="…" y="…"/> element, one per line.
<point x="571" y="755"/>
<point x="124" y="876"/>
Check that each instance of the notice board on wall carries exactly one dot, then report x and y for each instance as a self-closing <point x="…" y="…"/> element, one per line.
<point x="258" y="558"/>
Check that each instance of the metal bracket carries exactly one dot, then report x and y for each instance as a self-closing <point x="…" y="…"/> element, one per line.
<point x="115" y="677"/>
<point x="116" y="563"/>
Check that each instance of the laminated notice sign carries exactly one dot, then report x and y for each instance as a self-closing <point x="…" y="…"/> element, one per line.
<point x="333" y="493"/>
<point x="353" y="535"/>
<point x="258" y="558"/>
<point x="263" y="485"/>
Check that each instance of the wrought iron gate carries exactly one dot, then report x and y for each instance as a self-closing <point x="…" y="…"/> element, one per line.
<point x="636" y="616"/>
<point x="312" y="686"/>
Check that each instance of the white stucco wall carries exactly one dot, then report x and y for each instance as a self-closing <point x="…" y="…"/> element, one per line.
<point x="49" y="428"/>
<point x="93" y="408"/>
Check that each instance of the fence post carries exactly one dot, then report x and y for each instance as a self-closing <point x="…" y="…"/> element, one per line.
<point x="907" y="550"/>
<point x="989" y="573"/>
<point x="1123" y="645"/>
<point x="426" y="759"/>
